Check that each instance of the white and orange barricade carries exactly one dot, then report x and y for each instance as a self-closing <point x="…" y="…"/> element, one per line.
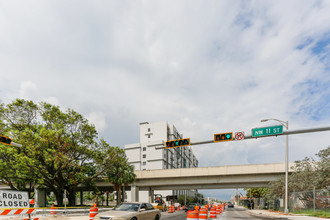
<point x="192" y="215"/>
<point x="213" y="213"/>
<point x="203" y="213"/>
<point x="171" y="209"/>
<point x="93" y="211"/>
<point x="178" y="208"/>
<point x="18" y="212"/>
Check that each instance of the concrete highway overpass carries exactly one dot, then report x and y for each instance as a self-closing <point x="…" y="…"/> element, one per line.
<point x="221" y="177"/>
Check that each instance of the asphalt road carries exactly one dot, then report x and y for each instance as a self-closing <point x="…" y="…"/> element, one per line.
<point x="236" y="213"/>
<point x="177" y="215"/>
<point x="228" y="214"/>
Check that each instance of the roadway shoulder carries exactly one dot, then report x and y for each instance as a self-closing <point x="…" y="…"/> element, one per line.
<point x="268" y="214"/>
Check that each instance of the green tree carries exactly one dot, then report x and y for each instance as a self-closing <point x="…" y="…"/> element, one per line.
<point x="117" y="169"/>
<point x="60" y="149"/>
<point x="309" y="173"/>
<point x="323" y="168"/>
<point x="256" y="192"/>
<point x="199" y="198"/>
<point x="15" y="165"/>
<point x="189" y="199"/>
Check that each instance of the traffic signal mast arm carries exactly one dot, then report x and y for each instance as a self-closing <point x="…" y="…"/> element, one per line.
<point x="301" y="131"/>
<point x="308" y="130"/>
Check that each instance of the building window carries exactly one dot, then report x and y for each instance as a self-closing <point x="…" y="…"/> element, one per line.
<point x="148" y="129"/>
<point x="144" y="156"/>
<point x="144" y="163"/>
<point x="144" y="149"/>
<point x="148" y="135"/>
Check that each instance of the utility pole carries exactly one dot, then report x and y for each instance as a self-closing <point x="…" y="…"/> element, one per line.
<point x="286" y="125"/>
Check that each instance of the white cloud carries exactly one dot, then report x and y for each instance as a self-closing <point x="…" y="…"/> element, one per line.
<point x="28" y="90"/>
<point x="52" y="100"/>
<point x="98" y="119"/>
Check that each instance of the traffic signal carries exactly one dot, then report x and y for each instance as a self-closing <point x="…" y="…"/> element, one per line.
<point x="223" y="137"/>
<point x="5" y="140"/>
<point x="177" y="143"/>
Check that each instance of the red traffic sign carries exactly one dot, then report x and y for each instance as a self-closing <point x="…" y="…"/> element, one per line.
<point x="239" y="135"/>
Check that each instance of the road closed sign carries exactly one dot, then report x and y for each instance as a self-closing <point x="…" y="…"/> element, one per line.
<point x="14" y="199"/>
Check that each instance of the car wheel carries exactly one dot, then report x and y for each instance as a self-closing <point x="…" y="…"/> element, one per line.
<point x="157" y="217"/>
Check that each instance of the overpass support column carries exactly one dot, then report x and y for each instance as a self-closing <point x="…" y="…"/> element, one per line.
<point x="135" y="193"/>
<point x="151" y="195"/>
<point x="81" y="197"/>
<point x="39" y="198"/>
<point x="123" y="192"/>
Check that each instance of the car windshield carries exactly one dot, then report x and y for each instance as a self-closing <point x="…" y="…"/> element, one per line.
<point x="127" y="207"/>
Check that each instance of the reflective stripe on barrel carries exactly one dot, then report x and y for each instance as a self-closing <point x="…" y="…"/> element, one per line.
<point x="203" y="213"/>
<point x="192" y="215"/>
<point x="213" y="213"/>
<point x="53" y="210"/>
<point x="217" y="210"/>
<point x="93" y="211"/>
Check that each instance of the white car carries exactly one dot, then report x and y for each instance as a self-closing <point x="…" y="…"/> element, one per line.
<point x="131" y="211"/>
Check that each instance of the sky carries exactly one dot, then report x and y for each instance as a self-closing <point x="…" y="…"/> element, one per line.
<point x="205" y="66"/>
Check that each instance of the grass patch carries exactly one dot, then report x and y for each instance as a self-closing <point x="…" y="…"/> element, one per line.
<point x="317" y="213"/>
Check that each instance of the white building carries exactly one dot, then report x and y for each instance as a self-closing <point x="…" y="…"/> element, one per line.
<point x="150" y="154"/>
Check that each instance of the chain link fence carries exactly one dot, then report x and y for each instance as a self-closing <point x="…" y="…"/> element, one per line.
<point x="310" y="200"/>
<point x="313" y="200"/>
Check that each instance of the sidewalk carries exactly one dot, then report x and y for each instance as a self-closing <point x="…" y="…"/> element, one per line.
<point x="279" y="215"/>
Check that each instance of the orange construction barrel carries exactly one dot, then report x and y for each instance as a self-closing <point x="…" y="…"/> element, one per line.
<point x="203" y="213"/>
<point x="217" y="210"/>
<point x="171" y="209"/>
<point x="192" y="215"/>
<point x="213" y="213"/>
<point x="93" y="211"/>
<point x="53" y="210"/>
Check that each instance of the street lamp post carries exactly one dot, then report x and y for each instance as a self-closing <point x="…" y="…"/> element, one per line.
<point x="286" y="125"/>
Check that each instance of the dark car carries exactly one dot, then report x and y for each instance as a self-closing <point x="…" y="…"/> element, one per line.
<point x="230" y="205"/>
<point x="191" y="207"/>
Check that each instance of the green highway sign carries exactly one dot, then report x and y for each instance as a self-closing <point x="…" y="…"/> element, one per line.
<point x="274" y="130"/>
